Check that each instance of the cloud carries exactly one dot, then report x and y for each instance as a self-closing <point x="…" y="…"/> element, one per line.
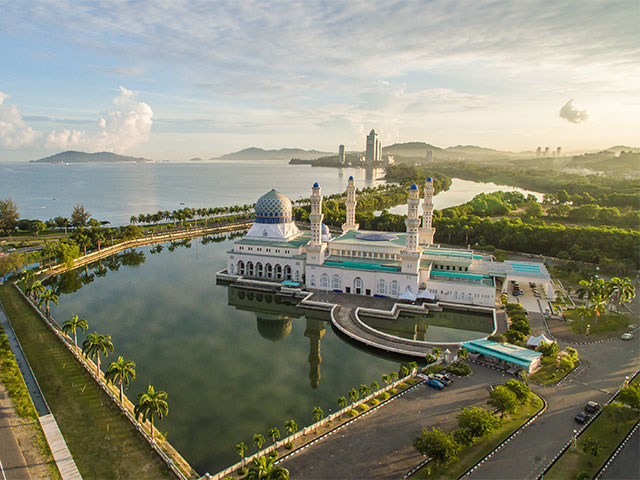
<point x="14" y="131"/>
<point x="129" y="124"/>
<point x="570" y="113"/>
<point x="124" y="71"/>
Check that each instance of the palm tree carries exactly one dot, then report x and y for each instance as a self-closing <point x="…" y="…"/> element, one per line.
<point x="386" y="379"/>
<point x="151" y="404"/>
<point x="342" y="402"/>
<point x="622" y="290"/>
<point x="241" y="449"/>
<point x="96" y="344"/>
<point x="364" y="390"/>
<point x="317" y="414"/>
<point x="46" y="297"/>
<point x="72" y="325"/>
<point x="27" y="278"/>
<point x="436" y="352"/>
<point x="375" y="386"/>
<point x="121" y="371"/>
<point x="394" y="376"/>
<point x="404" y="370"/>
<point x="258" y="440"/>
<point x="264" y="468"/>
<point x="353" y="395"/>
<point x="291" y="427"/>
<point x="274" y="433"/>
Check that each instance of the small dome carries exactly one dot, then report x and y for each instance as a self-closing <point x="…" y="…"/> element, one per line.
<point x="413" y="187"/>
<point x="429" y="179"/>
<point x="315" y="185"/>
<point x="351" y="177"/>
<point x="325" y="229"/>
<point x="273" y="207"/>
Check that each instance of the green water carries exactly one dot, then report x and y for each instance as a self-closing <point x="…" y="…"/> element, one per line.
<point x="436" y="326"/>
<point x="230" y="370"/>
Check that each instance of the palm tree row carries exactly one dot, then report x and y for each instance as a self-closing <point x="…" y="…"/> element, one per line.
<point x="150" y="404"/>
<point x="600" y="292"/>
<point x="186" y="214"/>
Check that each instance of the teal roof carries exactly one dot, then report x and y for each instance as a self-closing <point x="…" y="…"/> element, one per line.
<point x="503" y="351"/>
<point x="463" y="276"/>
<point x="350" y="237"/>
<point x="362" y="263"/>
<point x="526" y="267"/>
<point x="443" y="252"/>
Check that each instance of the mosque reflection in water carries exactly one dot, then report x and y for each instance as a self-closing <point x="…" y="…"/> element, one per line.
<point x="275" y="315"/>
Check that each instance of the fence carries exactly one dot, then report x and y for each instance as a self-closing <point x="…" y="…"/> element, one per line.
<point x="306" y="430"/>
<point x="91" y="368"/>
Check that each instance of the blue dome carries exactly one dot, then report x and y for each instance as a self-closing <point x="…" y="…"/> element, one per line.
<point x="315" y="185"/>
<point x="413" y="187"/>
<point x="273" y="207"/>
<point x="351" y="177"/>
<point x="325" y="229"/>
<point x="429" y="179"/>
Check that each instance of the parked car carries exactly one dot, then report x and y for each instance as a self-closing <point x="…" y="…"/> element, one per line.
<point x="448" y="376"/>
<point x="582" y="417"/>
<point x="626" y="336"/>
<point x="592" y="407"/>
<point x="440" y="378"/>
<point x="435" y="384"/>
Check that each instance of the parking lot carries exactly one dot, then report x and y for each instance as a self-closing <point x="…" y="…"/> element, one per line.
<point x="380" y="444"/>
<point x="527" y="296"/>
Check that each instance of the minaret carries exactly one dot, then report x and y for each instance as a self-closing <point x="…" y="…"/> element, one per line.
<point x="314" y="332"/>
<point x="411" y="253"/>
<point x="316" y="247"/>
<point x="351" y="207"/>
<point x="427" y="231"/>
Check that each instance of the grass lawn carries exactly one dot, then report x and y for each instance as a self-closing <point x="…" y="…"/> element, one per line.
<point x="102" y="441"/>
<point x="602" y="429"/>
<point x="548" y="373"/>
<point x="607" y="322"/>
<point x="469" y="456"/>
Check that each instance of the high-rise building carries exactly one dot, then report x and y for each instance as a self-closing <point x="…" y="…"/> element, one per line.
<point x="341" y="157"/>
<point x="558" y="151"/>
<point x="546" y="152"/>
<point x="539" y="151"/>
<point x="429" y="156"/>
<point x="373" y="152"/>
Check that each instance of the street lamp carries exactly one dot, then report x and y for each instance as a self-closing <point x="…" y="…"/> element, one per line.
<point x="575" y="439"/>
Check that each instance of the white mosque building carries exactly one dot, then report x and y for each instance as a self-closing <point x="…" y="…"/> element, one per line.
<point x="405" y="265"/>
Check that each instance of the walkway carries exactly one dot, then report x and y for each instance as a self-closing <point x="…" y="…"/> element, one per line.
<point x="12" y="461"/>
<point x="61" y="453"/>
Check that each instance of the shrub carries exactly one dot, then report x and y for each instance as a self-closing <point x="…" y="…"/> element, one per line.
<point x="374" y="402"/>
<point x="393" y="391"/>
<point x="498" y="337"/>
<point x="353" y="413"/>
<point x="460" y="369"/>
<point x="364" y="407"/>
<point x="383" y="396"/>
<point x="514" y="336"/>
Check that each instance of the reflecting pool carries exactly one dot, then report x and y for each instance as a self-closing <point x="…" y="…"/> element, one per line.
<point x="233" y="362"/>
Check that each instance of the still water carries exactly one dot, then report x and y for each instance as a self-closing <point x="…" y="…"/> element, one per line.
<point x="233" y="362"/>
<point x="115" y="192"/>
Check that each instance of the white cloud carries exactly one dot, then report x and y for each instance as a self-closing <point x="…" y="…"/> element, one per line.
<point x="14" y="131"/>
<point x="129" y="124"/>
<point x="570" y="113"/>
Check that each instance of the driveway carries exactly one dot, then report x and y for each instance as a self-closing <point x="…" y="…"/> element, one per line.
<point x="379" y="446"/>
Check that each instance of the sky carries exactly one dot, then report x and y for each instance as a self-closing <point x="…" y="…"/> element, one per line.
<point x="176" y="79"/>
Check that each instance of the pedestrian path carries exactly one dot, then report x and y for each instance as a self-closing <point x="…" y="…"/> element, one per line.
<point x="61" y="454"/>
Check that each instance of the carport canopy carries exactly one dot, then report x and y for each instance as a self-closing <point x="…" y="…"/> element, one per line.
<point x="503" y="351"/>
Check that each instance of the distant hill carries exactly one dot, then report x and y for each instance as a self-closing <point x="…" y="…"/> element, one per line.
<point x="254" y="153"/>
<point x="195" y="159"/>
<point x="410" y="149"/>
<point x="623" y="148"/>
<point x="72" y="156"/>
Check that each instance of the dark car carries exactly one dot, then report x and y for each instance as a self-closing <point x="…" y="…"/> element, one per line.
<point x="434" y="384"/>
<point x="582" y="417"/>
<point x="592" y="407"/>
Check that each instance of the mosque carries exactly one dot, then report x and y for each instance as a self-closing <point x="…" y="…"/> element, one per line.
<point x="403" y="265"/>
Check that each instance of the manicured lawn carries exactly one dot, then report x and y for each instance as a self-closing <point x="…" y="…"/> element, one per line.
<point x="102" y="441"/>
<point x="607" y="322"/>
<point x="602" y="429"/>
<point x="469" y="456"/>
<point x="548" y="373"/>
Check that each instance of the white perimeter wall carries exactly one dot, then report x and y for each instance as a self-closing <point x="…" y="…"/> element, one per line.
<point x="297" y="265"/>
<point x="460" y="292"/>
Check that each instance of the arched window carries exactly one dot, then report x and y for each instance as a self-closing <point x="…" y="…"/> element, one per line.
<point x="250" y="269"/>
<point x="259" y="269"/>
<point x="268" y="270"/>
<point x="381" y="288"/>
<point x="337" y="282"/>
<point x="240" y="267"/>
<point x="357" y="285"/>
<point x="324" y="281"/>
<point x="278" y="270"/>
<point x="394" y="288"/>
<point x="287" y="272"/>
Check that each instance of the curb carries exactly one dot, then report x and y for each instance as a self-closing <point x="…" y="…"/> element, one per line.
<point x="616" y="451"/>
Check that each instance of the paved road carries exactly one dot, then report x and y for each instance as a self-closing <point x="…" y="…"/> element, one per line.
<point x="604" y="367"/>
<point x="627" y="464"/>
<point x="379" y="444"/>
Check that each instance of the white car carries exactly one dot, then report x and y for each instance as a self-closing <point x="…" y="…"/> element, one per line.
<point x="626" y="336"/>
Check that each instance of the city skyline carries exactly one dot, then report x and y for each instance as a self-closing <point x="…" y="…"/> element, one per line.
<point x="234" y="75"/>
